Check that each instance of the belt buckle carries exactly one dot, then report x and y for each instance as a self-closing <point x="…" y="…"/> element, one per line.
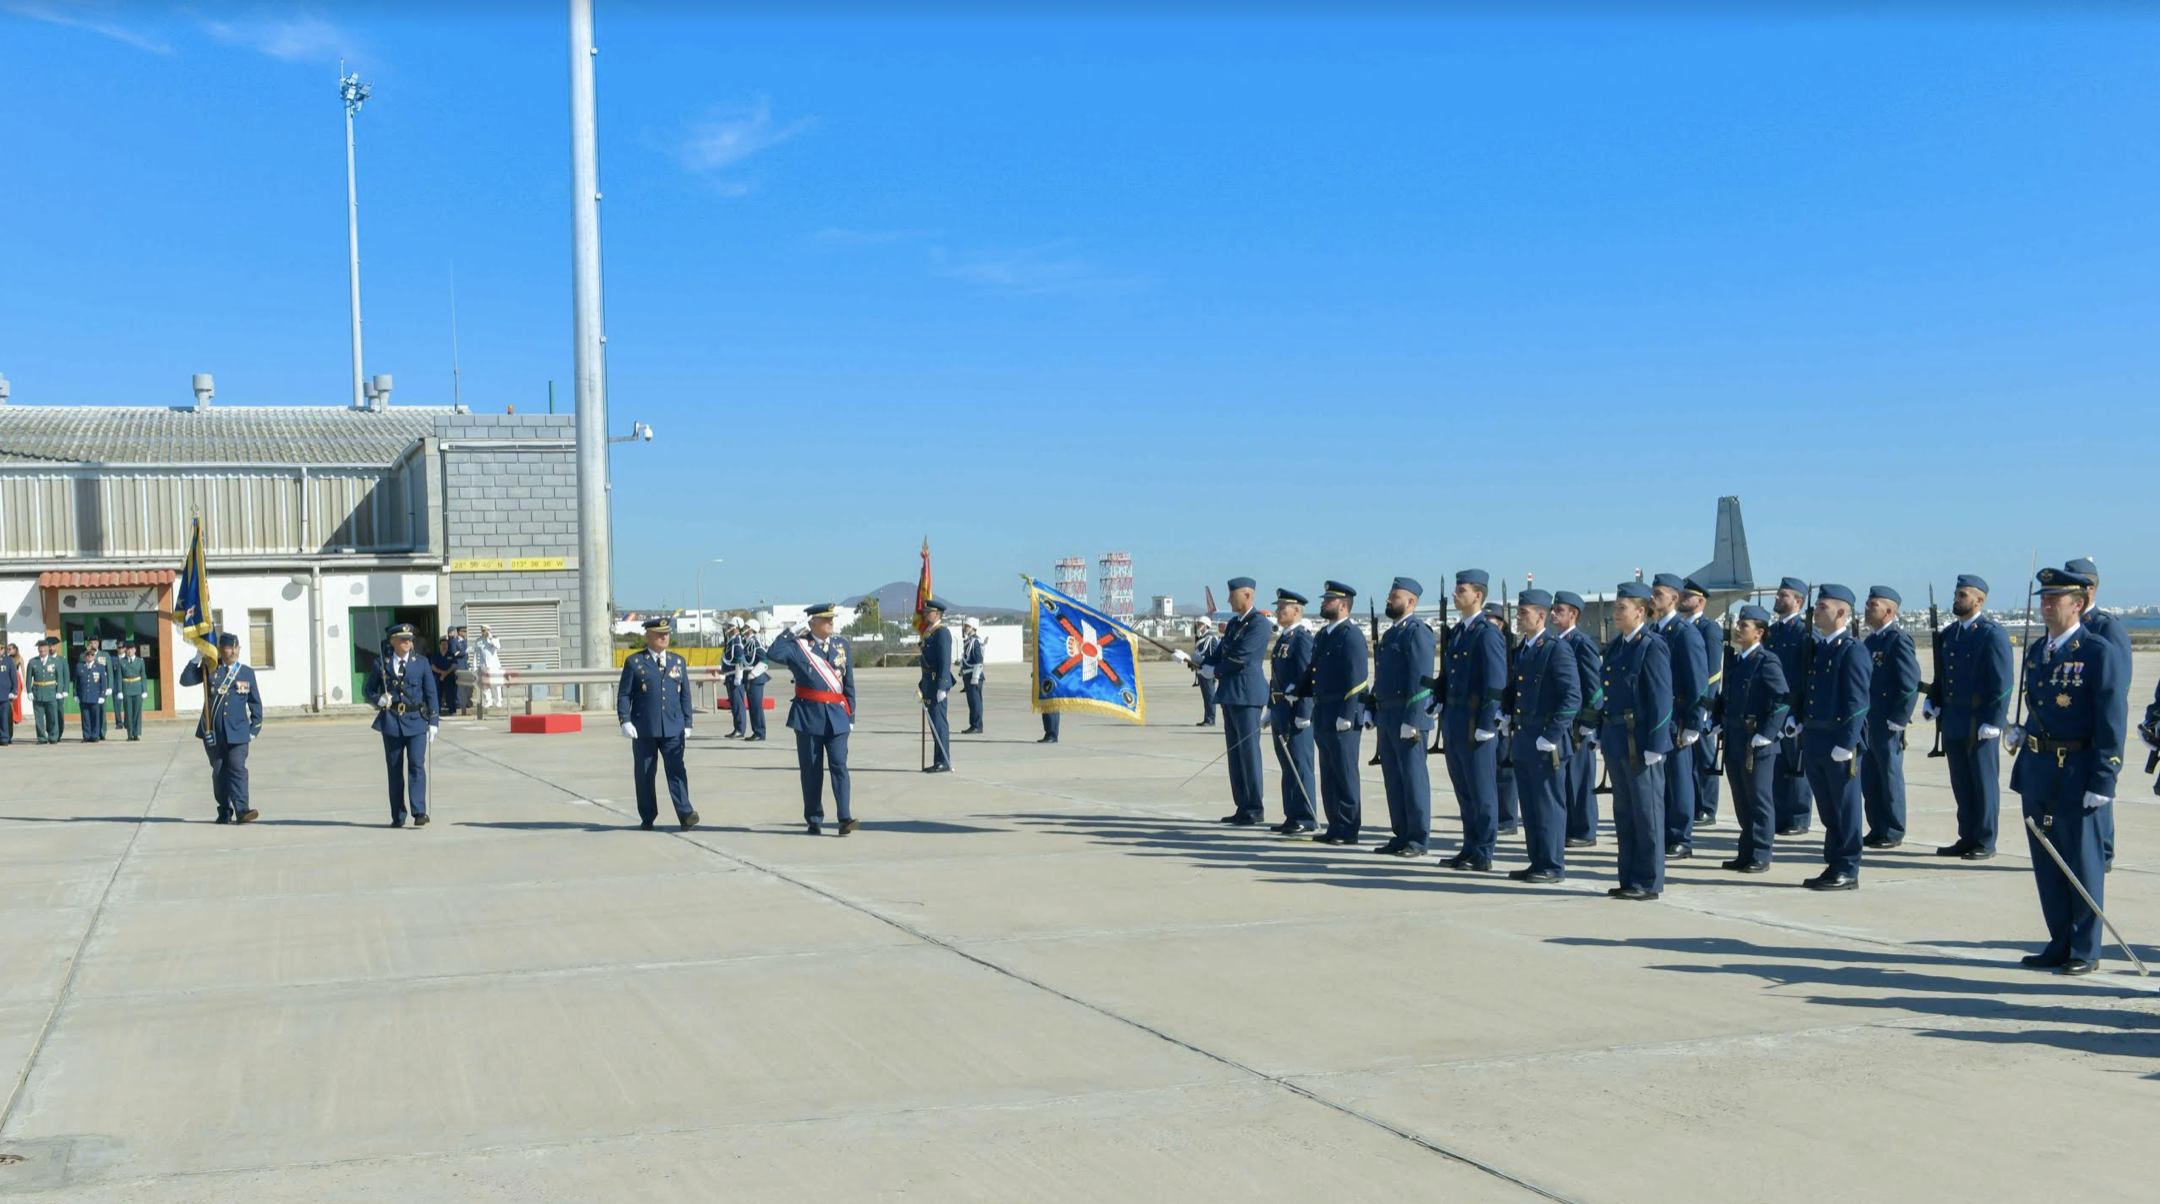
<point x="2032" y="743"/>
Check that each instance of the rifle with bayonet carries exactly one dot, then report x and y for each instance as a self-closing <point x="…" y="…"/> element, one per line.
<point x="1933" y="690"/>
<point x="1796" y="697"/>
<point x="1372" y="617"/>
<point x="1441" y="639"/>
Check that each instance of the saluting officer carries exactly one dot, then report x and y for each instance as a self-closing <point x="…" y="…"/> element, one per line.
<point x="1690" y="670"/>
<point x="1548" y="697"/>
<point x="408" y="709"/>
<point x="1979" y="676"/>
<point x="92" y="683"/>
<point x="1236" y="667"/>
<point x="1336" y="683"/>
<point x="1791" y="638"/>
<point x="231" y="720"/>
<point x="132" y="672"/>
<point x="2070" y="750"/>
<point x="1580" y="787"/>
<point x="46" y="678"/>
<point x="936" y="685"/>
<point x="751" y="653"/>
<point x="1290" y="715"/>
<point x="1693" y="607"/>
<point x="1832" y="724"/>
<point x="732" y="669"/>
<point x="1893" y="684"/>
<point x="1470" y="719"/>
<point x="1402" y="713"/>
<point x="971" y="673"/>
<point x="2108" y="628"/>
<point x="1204" y="642"/>
<point x="822" y="714"/>
<point x="1752" y="710"/>
<point x="652" y="702"/>
<point x="1637" y="735"/>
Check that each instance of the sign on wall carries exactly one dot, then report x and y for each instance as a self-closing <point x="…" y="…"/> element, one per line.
<point x="522" y="564"/>
<point x="121" y="601"/>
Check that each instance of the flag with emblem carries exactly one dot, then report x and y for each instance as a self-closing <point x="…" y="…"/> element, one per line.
<point x="922" y="591"/>
<point x="1084" y="660"/>
<point x="191" y="600"/>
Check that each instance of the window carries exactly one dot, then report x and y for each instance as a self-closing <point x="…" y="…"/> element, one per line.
<point x="262" y="640"/>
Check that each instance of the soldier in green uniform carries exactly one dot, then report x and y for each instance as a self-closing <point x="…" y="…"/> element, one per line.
<point x="131" y="669"/>
<point x="46" y="680"/>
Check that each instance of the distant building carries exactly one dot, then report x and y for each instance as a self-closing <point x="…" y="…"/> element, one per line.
<point x="1162" y="607"/>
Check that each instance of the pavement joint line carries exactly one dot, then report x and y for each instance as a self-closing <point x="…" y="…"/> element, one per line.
<point x="75" y="959"/>
<point x="1419" y="1140"/>
<point x="406" y="891"/>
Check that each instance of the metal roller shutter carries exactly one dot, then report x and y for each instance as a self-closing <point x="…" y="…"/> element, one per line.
<point x="530" y="632"/>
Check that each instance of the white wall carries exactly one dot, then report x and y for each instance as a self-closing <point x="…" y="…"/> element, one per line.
<point x="22" y="613"/>
<point x="284" y="595"/>
<point x="1003" y="645"/>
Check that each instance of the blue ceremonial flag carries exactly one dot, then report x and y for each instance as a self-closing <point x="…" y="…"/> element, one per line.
<point x="1084" y="659"/>
<point x="191" y="600"/>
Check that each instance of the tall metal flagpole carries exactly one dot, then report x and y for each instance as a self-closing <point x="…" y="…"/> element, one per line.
<point x="596" y="595"/>
<point x="355" y="94"/>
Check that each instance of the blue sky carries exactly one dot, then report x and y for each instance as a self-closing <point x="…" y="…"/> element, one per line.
<point x="1299" y="295"/>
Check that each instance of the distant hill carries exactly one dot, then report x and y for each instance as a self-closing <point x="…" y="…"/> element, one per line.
<point x="897" y="600"/>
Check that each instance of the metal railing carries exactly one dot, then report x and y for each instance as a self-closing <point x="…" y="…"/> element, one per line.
<point x="707" y="684"/>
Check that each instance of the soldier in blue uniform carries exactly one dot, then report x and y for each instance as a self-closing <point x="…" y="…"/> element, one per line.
<point x="460" y="662"/>
<point x="1693" y="605"/>
<point x="1290" y="716"/>
<point x="45" y="680"/>
<point x="1893" y="685"/>
<point x="1470" y="717"/>
<point x="1791" y="639"/>
<point x="2108" y="628"/>
<point x="1971" y="706"/>
<point x="232" y="718"/>
<point x="936" y="684"/>
<point x="408" y="710"/>
<point x="1580" y="787"/>
<point x="1637" y="735"/>
<point x="822" y="714"/>
<point x="750" y="653"/>
<point x="1506" y="806"/>
<point x="1237" y="666"/>
<point x="1832" y="725"/>
<point x="1751" y="708"/>
<point x="972" y="674"/>
<point x="1548" y="697"/>
<point x="732" y="666"/>
<point x="1205" y="642"/>
<point x="652" y="702"/>
<point x="92" y="683"/>
<point x="1336" y="683"/>
<point x="1402" y="712"/>
<point x="1690" y="671"/>
<point x="2069" y="756"/>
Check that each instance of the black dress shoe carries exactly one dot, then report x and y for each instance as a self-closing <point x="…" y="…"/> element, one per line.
<point x="687" y="819"/>
<point x="1388" y="847"/>
<point x="1954" y="850"/>
<point x="1705" y="817"/>
<point x="1616" y="892"/>
<point x="224" y="818"/>
<point x="397" y="821"/>
<point x="2041" y="961"/>
<point x="1047" y="740"/>
<point x="1534" y="877"/>
<point x="812" y="829"/>
<point x="1679" y="852"/>
<point x="1581" y="842"/>
<point x="1634" y="894"/>
<point x="1741" y="866"/>
<point x="1464" y="861"/>
<point x="1238" y="819"/>
<point x="645" y="825"/>
<point x="849" y="825"/>
<point x="732" y="736"/>
<point x="1976" y="853"/>
<point x="1298" y="832"/>
<point x="1830" y="881"/>
<point x="419" y="821"/>
<point x="1410" y="851"/>
<point x="757" y="740"/>
<point x="1881" y="842"/>
<point x="1789" y="830"/>
<point x="248" y="816"/>
<point x="2078" y="965"/>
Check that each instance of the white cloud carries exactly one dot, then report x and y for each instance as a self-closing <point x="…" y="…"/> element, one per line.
<point x="87" y="16"/>
<point x="1033" y="270"/>
<point x="307" y="37"/>
<point x="725" y="138"/>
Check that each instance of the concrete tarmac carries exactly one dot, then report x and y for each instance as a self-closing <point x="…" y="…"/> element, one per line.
<point x="1049" y="975"/>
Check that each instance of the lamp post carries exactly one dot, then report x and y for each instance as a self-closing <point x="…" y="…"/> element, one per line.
<point x="702" y="638"/>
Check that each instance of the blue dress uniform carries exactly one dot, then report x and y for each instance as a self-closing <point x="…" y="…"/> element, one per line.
<point x="1505" y="803"/>
<point x="231" y="720"/>
<point x="1580" y="788"/>
<point x="452" y="697"/>
<point x="1290" y="716"/>
<point x="1690" y="672"/>
<point x="2070" y="752"/>
<point x="1477" y="673"/>
<point x="1402" y="668"/>
<point x="1548" y="696"/>
<point x="971" y="676"/>
<point x="936" y="683"/>
<point x="1833" y="717"/>
<point x="732" y="667"/>
<point x="751" y="655"/>
<point x="1752" y="706"/>
<point x="1203" y="648"/>
<point x="1893" y="691"/>
<point x="1973" y="707"/>
<point x="1239" y="665"/>
<point x="92" y="684"/>
<point x="821" y="716"/>
<point x="1637" y="737"/>
<point x="45" y="680"/>
<point x="653" y="699"/>
<point x="1791" y="640"/>
<point x="1705" y="750"/>
<point x="2108" y="628"/>
<point x="408" y="708"/>
<point x="132" y="672"/>
<point x="7" y="701"/>
<point x="1336" y="683"/>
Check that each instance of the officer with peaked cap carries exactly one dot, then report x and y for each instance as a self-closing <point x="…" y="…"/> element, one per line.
<point x="750" y="653"/>
<point x="45" y="680"/>
<point x="232" y="718"/>
<point x="92" y="684"/>
<point x="1791" y="639"/>
<point x="1893" y="687"/>
<point x="1979" y="675"/>
<point x="2069" y="758"/>
<point x="971" y="673"/>
<point x="2111" y="629"/>
<point x="1751" y="708"/>
<point x="1832" y="725"/>
<point x="1336" y="683"/>
<point x="734" y="662"/>
<point x="131" y="673"/>
<point x="1580" y="787"/>
<point x="1694" y="610"/>
<point x="408" y="709"/>
<point x="652" y="702"/>
<point x="1402" y="680"/>
<point x="1204" y="643"/>
<point x="1238" y="667"/>
<point x="1290" y="716"/>
<point x="1471" y="720"/>
<point x="1548" y="697"/>
<point x="1636" y="735"/>
<point x="936" y="684"/>
<point x="822" y="714"/>
<point x="1690" y="670"/>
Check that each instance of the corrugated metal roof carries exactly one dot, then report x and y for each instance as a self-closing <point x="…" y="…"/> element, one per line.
<point x="109" y="579"/>
<point x="218" y="435"/>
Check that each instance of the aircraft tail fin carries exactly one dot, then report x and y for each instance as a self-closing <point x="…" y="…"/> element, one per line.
<point x="1729" y="567"/>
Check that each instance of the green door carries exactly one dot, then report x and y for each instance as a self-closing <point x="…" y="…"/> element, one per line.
<point x="370" y="626"/>
<point x="111" y="631"/>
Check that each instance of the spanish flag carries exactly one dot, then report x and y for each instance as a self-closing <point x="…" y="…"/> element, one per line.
<point x="191" y="600"/>
<point x="922" y="591"/>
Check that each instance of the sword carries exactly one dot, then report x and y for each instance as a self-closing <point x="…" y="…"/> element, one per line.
<point x="2079" y="887"/>
<point x="1295" y="776"/>
<point x="1218" y="756"/>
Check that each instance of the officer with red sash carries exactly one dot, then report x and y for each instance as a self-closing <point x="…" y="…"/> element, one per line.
<point x="822" y="714"/>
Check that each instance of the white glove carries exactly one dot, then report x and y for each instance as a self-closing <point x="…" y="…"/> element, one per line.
<point x="1717" y="731"/>
<point x="941" y="695"/>
<point x="383" y="702"/>
<point x="1792" y="728"/>
<point x="1180" y="657"/>
<point x="1761" y="742"/>
<point x="431" y="734"/>
<point x="1895" y="727"/>
<point x="1482" y="737"/>
<point x="1207" y="670"/>
<point x="1506" y="722"/>
<point x="1302" y="724"/>
<point x="1590" y="739"/>
<point x="1649" y="759"/>
<point x="1343" y="725"/>
<point x="1841" y="754"/>
<point x="1409" y="731"/>
<point x="1689" y="737"/>
<point x="1544" y="745"/>
<point x="1584" y="733"/>
<point x="2011" y="739"/>
<point x="2095" y="801"/>
<point x="630" y="730"/>
<point x="1989" y="731"/>
<point x="1927" y="708"/>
